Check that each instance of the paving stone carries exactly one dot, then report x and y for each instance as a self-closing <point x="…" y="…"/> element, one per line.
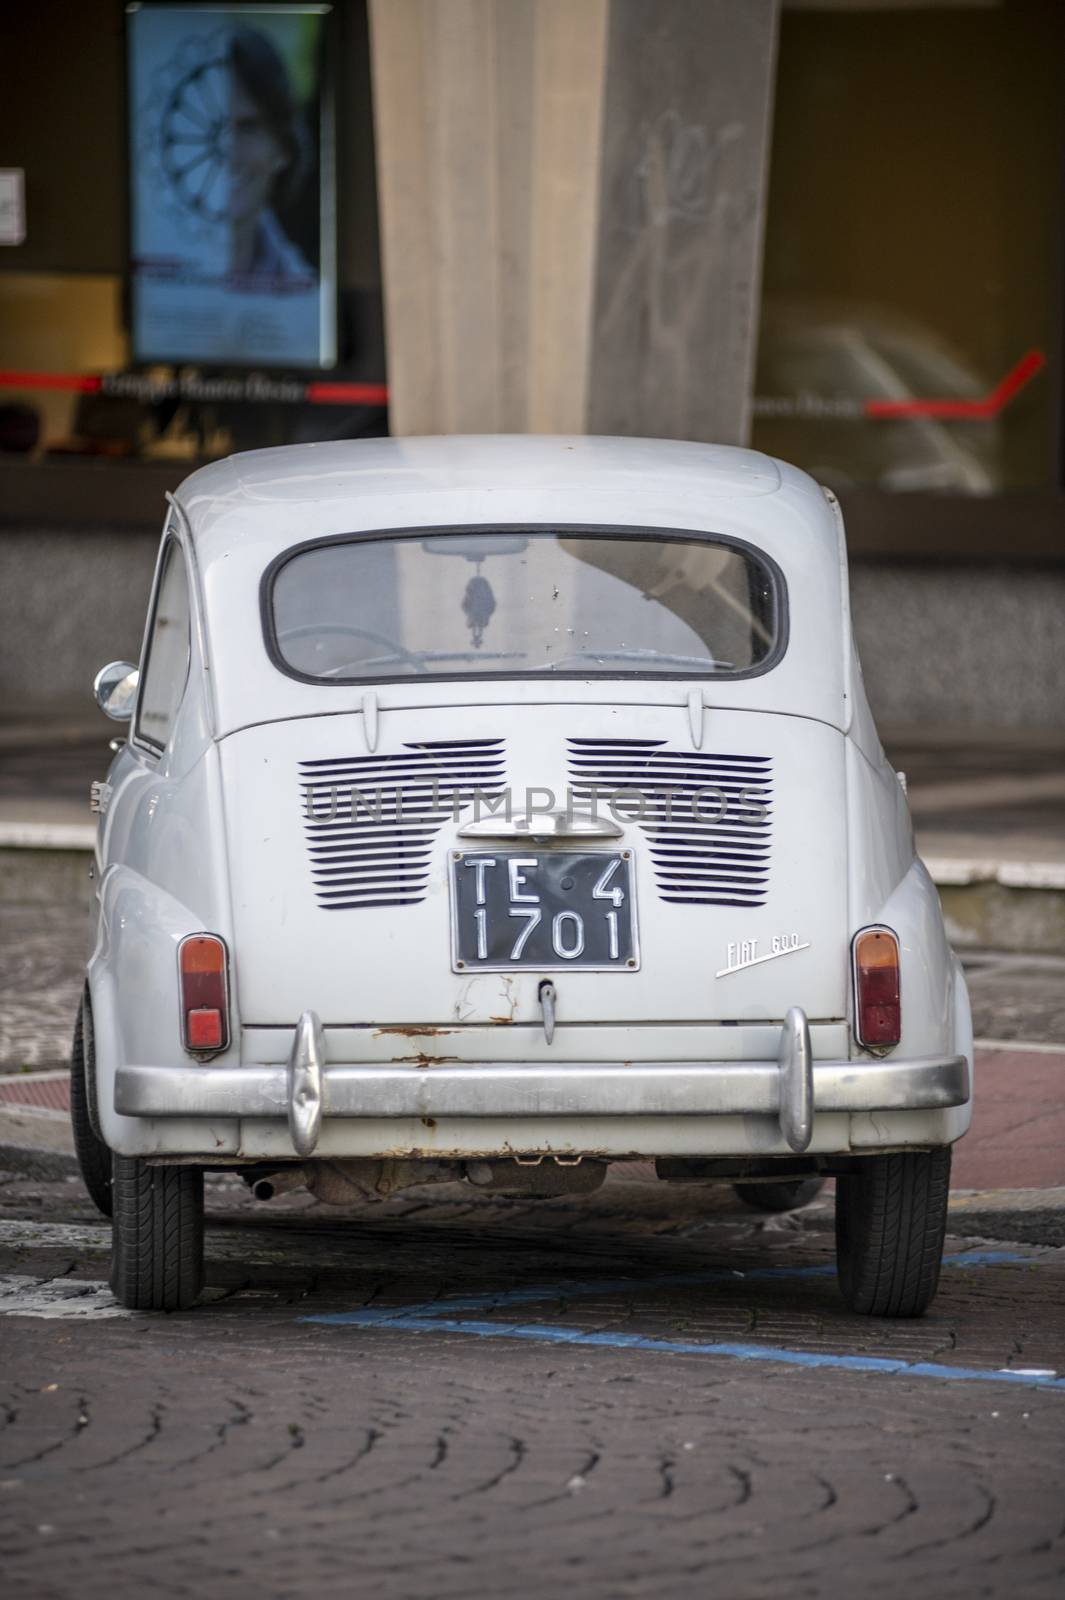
<point x="241" y="1449"/>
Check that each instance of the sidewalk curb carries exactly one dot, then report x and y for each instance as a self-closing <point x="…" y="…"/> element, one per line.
<point x="40" y="1166"/>
<point x="36" y="1128"/>
<point x="1023" y="1216"/>
<point x="47" y="835"/>
<point x="37" y="1142"/>
<point x="1019" y="1216"/>
<point x="985" y="914"/>
<point x="963" y="871"/>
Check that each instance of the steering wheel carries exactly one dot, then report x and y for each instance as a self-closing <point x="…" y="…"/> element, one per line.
<point x="315" y="630"/>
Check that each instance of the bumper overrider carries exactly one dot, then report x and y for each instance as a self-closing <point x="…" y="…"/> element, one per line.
<point x="308" y="1088"/>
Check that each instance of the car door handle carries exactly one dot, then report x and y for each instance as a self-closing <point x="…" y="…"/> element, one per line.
<point x="541" y="825"/>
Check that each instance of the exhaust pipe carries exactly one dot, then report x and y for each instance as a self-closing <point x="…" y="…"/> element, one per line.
<point x="280" y="1182"/>
<point x="350" y="1182"/>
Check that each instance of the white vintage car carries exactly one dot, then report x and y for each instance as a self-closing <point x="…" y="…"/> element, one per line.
<point x="496" y="809"/>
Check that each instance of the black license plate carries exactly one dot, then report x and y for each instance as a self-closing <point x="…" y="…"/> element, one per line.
<point x="543" y="908"/>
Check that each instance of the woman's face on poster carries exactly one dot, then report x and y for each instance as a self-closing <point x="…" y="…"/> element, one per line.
<point x="256" y="157"/>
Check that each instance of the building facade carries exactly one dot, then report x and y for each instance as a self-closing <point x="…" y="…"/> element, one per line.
<point x="832" y="229"/>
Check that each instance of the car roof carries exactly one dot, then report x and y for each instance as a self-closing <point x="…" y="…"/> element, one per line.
<point x="274" y="498"/>
<point x="244" y="512"/>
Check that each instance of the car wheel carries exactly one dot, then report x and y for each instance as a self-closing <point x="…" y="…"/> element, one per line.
<point x="93" y="1156"/>
<point x="779" y="1196"/>
<point x="157" y="1235"/>
<point x="891" y="1216"/>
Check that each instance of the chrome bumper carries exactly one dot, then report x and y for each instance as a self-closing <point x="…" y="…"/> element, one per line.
<point x="791" y="1088"/>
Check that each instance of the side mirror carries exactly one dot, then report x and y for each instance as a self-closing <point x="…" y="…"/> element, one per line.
<point x="115" y="688"/>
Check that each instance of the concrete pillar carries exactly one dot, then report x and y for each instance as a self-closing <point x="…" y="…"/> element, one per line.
<point x="571" y="196"/>
<point x="684" y="169"/>
<point x="487" y="117"/>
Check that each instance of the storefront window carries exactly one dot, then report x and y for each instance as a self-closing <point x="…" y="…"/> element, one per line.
<point x="910" y="334"/>
<point x="187" y="283"/>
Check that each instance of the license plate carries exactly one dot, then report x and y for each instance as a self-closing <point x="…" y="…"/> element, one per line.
<point x="547" y="909"/>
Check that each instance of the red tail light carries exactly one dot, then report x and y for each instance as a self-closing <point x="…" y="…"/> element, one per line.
<point x="877" y="1009"/>
<point x="204" y="993"/>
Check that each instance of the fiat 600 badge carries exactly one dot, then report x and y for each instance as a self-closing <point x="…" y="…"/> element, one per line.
<point x="496" y="809"/>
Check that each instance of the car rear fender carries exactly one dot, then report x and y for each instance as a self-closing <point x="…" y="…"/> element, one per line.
<point x="133" y="983"/>
<point x="935" y="1000"/>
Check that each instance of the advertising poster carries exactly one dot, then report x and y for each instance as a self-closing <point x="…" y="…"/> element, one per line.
<point x="233" y="237"/>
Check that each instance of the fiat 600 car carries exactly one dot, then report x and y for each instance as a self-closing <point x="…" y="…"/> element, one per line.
<point x="496" y="809"/>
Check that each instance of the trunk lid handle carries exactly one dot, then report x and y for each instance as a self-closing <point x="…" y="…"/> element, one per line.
<point x="541" y="825"/>
<point x="548" y="995"/>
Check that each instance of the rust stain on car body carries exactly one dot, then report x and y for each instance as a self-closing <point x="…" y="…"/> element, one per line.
<point x="411" y="1031"/>
<point x="423" y="1060"/>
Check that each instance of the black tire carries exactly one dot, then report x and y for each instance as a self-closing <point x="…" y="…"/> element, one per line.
<point x="157" y="1235"/>
<point x="891" y="1216"/>
<point x="779" y="1196"/>
<point x="94" y="1158"/>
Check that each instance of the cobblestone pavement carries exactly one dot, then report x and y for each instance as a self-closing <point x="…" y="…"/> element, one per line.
<point x="648" y="1391"/>
<point x="617" y="1396"/>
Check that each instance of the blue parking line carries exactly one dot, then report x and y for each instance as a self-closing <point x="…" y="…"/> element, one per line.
<point x="495" y="1300"/>
<point x="438" y="1316"/>
<point x="542" y="1333"/>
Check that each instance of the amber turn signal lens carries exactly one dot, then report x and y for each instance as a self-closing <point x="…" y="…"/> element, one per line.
<point x="204" y="992"/>
<point x="878" y="1009"/>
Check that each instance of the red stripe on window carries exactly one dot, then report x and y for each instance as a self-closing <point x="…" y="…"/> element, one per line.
<point x="347" y="394"/>
<point x="959" y="410"/>
<point x="50" y="380"/>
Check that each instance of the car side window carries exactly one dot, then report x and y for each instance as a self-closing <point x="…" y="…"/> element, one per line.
<point x="166" y="667"/>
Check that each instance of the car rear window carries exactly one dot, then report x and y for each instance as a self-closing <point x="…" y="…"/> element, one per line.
<point x="529" y="602"/>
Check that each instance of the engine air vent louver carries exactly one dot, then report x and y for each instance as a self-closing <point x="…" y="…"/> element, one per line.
<point x="371" y="821"/>
<point x="706" y="818"/>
